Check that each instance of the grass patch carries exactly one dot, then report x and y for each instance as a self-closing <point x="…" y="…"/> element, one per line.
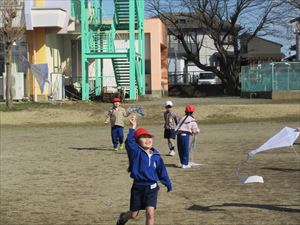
<point x="25" y="106"/>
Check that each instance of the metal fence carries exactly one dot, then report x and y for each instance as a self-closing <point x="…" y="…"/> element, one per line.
<point x="183" y="78"/>
<point x="268" y="77"/>
<point x="193" y="77"/>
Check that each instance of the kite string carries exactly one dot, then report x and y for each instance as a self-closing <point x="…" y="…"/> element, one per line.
<point x="192" y="147"/>
<point x="295" y="152"/>
<point x="237" y="172"/>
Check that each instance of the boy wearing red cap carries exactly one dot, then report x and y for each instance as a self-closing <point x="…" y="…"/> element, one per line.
<point x="146" y="168"/>
<point x="187" y="126"/>
<point x="116" y="118"/>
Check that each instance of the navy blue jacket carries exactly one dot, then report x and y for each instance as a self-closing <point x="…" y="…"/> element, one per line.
<point x="145" y="169"/>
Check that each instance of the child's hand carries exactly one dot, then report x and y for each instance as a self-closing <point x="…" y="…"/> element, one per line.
<point x="132" y="121"/>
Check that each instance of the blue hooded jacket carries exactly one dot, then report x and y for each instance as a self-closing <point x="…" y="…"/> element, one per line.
<point x="145" y="169"/>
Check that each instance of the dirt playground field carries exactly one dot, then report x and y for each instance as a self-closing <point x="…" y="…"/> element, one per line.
<point x="69" y="175"/>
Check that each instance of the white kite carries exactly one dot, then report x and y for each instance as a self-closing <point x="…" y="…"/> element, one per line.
<point x="284" y="138"/>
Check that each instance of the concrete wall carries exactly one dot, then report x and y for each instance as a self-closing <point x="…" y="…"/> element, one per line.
<point x="191" y="90"/>
<point x="285" y="95"/>
<point x="276" y="95"/>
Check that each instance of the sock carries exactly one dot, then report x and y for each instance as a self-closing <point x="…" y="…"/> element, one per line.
<point x="171" y="147"/>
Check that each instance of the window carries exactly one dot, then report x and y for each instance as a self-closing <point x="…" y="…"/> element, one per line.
<point x="207" y="76"/>
<point x="182" y="21"/>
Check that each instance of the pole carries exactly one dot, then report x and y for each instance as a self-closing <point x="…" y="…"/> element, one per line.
<point x="272" y="77"/>
<point x="132" y="91"/>
<point x="34" y="62"/>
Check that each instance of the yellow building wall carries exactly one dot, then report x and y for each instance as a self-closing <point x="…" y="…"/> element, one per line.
<point x="37" y="55"/>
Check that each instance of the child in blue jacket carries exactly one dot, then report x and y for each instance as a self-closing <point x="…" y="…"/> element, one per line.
<point x="146" y="168"/>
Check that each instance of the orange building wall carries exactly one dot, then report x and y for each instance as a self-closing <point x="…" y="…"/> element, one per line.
<point x="159" y="55"/>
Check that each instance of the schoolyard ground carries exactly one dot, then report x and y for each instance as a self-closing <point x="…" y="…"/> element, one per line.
<point x="58" y="167"/>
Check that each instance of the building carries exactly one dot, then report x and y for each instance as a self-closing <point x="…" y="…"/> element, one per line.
<point x="296" y="46"/>
<point x="53" y="42"/>
<point x="259" y="50"/>
<point x="180" y="69"/>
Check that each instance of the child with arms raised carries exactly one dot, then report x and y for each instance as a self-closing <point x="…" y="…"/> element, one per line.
<point x="146" y="168"/>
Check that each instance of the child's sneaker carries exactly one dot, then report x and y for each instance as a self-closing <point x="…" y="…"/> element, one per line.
<point x="116" y="149"/>
<point x="121" y="147"/>
<point x="186" y="166"/>
<point x="178" y="165"/>
<point x="171" y="153"/>
<point x="119" y="221"/>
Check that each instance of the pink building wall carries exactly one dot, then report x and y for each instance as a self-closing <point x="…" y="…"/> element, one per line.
<point x="158" y="55"/>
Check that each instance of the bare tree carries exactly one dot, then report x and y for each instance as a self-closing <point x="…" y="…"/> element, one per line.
<point x="11" y="30"/>
<point x="294" y="3"/>
<point x="223" y="21"/>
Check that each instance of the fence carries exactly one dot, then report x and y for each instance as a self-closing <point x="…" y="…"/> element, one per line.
<point x="193" y="77"/>
<point x="269" y="77"/>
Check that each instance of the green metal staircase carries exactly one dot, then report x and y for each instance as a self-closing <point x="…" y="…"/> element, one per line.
<point x="98" y="43"/>
<point x="122" y="14"/>
<point x="122" y="70"/>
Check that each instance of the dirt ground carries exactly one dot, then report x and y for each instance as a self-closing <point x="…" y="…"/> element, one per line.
<point x="70" y="176"/>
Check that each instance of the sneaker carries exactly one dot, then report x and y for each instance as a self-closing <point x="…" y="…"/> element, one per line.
<point x="119" y="221"/>
<point x="171" y="153"/>
<point x="178" y="165"/>
<point x="121" y="147"/>
<point x="186" y="166"/>
<point x="116" y="149"/>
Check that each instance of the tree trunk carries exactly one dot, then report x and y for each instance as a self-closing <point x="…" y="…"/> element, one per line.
<point x="8" y="91"/>
<point x="232" y="86"/>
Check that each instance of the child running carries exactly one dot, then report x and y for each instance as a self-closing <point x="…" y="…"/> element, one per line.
<point x="116" y="117"/>
<point x="146" y="168"/>
<point x="187" y="126"/>
<point x="171" y="120"/>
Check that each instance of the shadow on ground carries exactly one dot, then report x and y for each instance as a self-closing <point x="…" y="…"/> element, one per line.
<point x="171" y="165"/>
<point x="99" y="148"/>
<point x="212" y="208"/>
<point x="281" y="169"/>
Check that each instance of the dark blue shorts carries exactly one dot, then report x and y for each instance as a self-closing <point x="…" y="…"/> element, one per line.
<point x="169" y="134"/>
<point x="142" y="197"/>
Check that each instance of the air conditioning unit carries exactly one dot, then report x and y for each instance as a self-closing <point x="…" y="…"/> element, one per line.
<point x="17" y="80"/>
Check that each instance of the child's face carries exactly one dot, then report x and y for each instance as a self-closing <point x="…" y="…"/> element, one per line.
<point x="145" y="142"/>
<point x="117" y="104"/>
<point x="168" y="109"/>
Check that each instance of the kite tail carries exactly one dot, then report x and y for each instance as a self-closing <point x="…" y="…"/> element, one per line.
<point x="243" y="162"/>
<point x="192" y="149"/>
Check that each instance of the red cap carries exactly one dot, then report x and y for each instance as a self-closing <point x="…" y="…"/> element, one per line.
<point x="116" y="100"/>
<point x="141" y="131"/>
<point x="190" y="109"/>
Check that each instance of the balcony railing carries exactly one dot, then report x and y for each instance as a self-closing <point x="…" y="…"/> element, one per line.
<point x="177" y="48"/>
<point x="75" y="9"/>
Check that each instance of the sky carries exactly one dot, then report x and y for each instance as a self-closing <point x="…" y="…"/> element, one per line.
<point x="108" y="11"/>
